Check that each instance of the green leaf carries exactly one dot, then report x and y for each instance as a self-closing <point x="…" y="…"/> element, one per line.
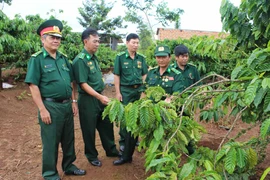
<point x="252" y="158"/>
<point x="230" y="161"/>
<point x="156" y="162"/>
<point x="182" y="137"/>
<point x="157" y="175"/>
<point x="259" y="96"/>
<point x="186" y="170"/>
<point x="219" y="100"/>
<point x="265" y="128"/>
<point x="221" y="154"/>
<point x="208" y="165"/>
<point x="154" y="145"/>
<point x="241" y="157"/>
<point x="236" y="71"/>
<point x="266" y="83"/>
<point x="250" y="92"/>
<point x="266" y="103"/>
<point x="214" y="174"/>
<point x="158" y="133"/>
<point x="265" y="173"/>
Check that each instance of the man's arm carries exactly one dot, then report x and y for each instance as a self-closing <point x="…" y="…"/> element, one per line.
<point x="44" y="114"/>
<point x="117" y="87"/>
<point x="74" y="97"/>
<point x="89" y="90"/>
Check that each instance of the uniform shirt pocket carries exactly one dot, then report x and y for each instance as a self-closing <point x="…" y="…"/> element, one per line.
<point x="50" y="74"/>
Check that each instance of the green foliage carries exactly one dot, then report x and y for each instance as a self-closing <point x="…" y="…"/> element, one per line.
<point x="95" y="14"/>
<point x="265" y="129"/>
<point x="18" y="41"/>
<point x="148" y="8"/>
<point x="249" y="23"/>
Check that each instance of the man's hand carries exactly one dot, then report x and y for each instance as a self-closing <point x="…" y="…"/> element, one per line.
<point x="74" y="108"/>
<point x="45" y="116"/>
<point x="104" y="99"/>
<point x="119" y="96"/>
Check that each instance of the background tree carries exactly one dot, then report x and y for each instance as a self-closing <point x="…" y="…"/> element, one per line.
<point x="160" y="13"/>
<point x="95" y="14"/>
<point x="249" y="24"/>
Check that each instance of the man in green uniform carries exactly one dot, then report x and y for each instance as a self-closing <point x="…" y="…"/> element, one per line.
<point x="129" y="73"/>
<point x="169" y="78"/>
<point x="91" y="102"/>
<point x="190" y="72"/>
<point x="50" y="78"/>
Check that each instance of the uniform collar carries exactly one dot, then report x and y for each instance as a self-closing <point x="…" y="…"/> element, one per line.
<point x="45" y="53"/>
<point x="167" y="70"/>
<point x="176" y="66"/>
<point x="87" y="55"/>
<point x="127" y="55"/>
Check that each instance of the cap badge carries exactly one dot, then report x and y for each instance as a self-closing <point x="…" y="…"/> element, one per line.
<point x="161" y="48"/>
<point x="56" y="28"/>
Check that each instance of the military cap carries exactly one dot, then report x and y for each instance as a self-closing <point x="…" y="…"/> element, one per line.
<point x="162" y="50"/>
<point x="51" y="27"/>
<point x="180" y="50"/>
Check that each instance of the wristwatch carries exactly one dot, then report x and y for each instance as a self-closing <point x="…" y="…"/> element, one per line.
<point x="74" y="100"/>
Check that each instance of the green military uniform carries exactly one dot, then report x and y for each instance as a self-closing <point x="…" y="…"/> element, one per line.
<point x="53" y="78"/>
<point x="171" y="80"/>
<point x="130" y="72"/>
<point x="190" y="74"/>
<point x="86" y="70"/>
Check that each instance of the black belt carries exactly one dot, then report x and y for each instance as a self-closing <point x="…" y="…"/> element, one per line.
<point x="56" y="100"/>
<point x="135" y="86"/>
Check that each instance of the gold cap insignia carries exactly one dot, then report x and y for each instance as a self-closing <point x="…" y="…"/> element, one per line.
<point x="56" y="28"/>
<point x="161" y="48"/>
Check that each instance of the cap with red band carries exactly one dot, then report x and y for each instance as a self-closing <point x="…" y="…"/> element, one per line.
<point x="51" y="27"/>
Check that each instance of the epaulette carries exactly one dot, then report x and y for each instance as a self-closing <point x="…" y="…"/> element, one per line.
<point x="81" y="55"/>
<point x="141" y="55"/>
<point x="191" y="64"/>
<point x="62" y="54"/>
<point x="37" y="53"/>
<point x="175" y="70"/>
<point x="121" y="53"/>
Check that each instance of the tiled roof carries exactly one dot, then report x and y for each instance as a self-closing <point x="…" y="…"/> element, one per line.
<point x="165" y="33"/>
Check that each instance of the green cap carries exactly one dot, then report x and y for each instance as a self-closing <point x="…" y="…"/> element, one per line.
<point x="162" y="50"/>
<point x="51" y="27"/>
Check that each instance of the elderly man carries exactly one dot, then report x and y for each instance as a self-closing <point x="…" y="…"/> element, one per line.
<point x="50" y="78"/>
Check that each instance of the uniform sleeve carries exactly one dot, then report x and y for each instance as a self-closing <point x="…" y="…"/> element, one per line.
<point x="178" y="84"/>
<point x="145" y="67"/>
<point x="117" y="66"/>
<point x="80" y="71"/>
<point x="33" y="71"/>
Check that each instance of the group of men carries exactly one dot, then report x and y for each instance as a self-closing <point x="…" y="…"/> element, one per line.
<point x="53" y="82"/>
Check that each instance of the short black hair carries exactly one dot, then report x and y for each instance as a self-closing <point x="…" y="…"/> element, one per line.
<point x="87" y="32"/>
<point x="132" y="36"/>
<point x="180" y="50"/>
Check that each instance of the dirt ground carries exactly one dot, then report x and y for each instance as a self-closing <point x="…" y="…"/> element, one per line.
<point x="20" y="144"/>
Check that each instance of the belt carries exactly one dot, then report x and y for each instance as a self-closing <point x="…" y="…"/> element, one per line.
<point x="135" y="86"/>
<point x="56" y="100"/>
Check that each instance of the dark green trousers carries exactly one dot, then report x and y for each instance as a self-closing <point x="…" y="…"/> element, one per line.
<point x="90" y="112"/>
<point x="61" y="130"/>
<point x="129" y="94"/>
